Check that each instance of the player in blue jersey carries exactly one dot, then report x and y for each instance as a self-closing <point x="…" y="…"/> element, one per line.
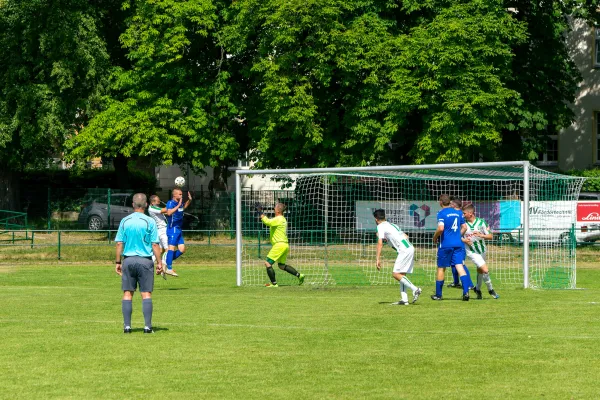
<point x="456" y="203"/>
<point x="451" y="227"/>
<point x="175" y="208"/>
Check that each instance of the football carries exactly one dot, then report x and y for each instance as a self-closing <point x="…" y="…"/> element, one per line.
<point x="179" y="181"/>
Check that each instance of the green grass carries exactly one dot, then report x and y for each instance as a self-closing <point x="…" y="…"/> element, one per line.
<point x="61" y="327"/>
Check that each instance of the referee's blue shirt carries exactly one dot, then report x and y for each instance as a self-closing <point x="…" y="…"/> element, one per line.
<point x="137" y="231"/>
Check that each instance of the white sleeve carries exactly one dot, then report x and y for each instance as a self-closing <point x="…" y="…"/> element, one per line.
<point x="380" y="232"/>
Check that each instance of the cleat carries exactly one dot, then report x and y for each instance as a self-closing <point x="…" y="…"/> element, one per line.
<point x="434" y="297"/>
<point x="416" y="294"/>
<point x="478" y="293"/>
<point x="466" y="297"/>
<point x="148" y="330"/>
<point x="455" y="285"/>
<point x="271" y="285"/>
<point x="127" y="329"/>
<point x="301" y="279"/>
<point x="171" y="272"/>
<point x="399" y="303"/>
<point x="494" y="294"/>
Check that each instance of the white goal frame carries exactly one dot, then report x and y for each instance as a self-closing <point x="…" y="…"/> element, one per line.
<point x="526" y="191"/>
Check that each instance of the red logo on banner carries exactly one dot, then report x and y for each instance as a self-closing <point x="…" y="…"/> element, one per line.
<point x="588" y="211"/>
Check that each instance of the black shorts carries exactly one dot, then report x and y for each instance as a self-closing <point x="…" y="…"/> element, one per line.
<point x="137" y="270"/>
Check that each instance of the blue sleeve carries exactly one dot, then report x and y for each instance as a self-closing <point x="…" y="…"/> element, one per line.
<point x="153" y="232"/>
<point x="120" y="233"/>
<point x="170" y="204"/>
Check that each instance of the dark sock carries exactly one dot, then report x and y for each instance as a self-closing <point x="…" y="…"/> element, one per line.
<point x="177" y="254"/>
<point x="466" y="283"/>
<point x="170" y="254"/>
<point x="455" y="276"/>
<point x="147" y="309"/>
<point x="438" y="288"/>
<point x="271" y="274"/>
<point x="290" y="270"/>
<point x="127" y="309"/>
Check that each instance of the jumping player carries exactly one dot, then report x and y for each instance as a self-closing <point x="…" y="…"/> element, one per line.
<point x="174" y="212"/>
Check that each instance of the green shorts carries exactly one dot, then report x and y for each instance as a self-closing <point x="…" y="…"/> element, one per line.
<point x="278" y="253"/>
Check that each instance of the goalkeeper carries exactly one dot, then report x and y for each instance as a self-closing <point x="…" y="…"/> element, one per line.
<point x="279" y="240"/>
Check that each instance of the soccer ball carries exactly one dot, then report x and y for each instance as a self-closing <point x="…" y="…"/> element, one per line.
<point x="179" y="181"/>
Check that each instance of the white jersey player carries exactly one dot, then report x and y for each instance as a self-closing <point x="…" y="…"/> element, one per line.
<point x="158" y="214"/>
<point x="474" y="238"/>
<point x="406" y="252"/>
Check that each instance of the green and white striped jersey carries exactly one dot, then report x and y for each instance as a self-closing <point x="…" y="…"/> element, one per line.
<point x="479" y="225"/>
<point x="394" y="235"/>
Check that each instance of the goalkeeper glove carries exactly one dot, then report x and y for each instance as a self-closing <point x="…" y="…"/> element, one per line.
<point x="259" y="209"/>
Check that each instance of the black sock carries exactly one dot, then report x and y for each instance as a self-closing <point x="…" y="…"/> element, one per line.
<point x="290" y="270"/>
<point x="271" y="274"/>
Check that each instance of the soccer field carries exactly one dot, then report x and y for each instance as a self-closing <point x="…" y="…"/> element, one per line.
<point x="62" y="338"/>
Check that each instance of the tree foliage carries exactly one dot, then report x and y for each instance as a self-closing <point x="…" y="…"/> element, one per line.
<point x="173" y="103"/>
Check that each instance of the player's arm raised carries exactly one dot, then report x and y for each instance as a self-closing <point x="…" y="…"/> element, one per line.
<point x="171" y="211"/>
<point x="188" y="202"/>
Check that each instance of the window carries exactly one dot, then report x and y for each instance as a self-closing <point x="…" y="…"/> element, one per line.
<point x="597" y="46"/>
<point x="550" y="156"/>
<point x="243" y="163"/>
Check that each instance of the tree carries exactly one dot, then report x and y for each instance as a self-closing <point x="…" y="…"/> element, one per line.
<point x="52" y="65"/>
<point x="173" y="103"/>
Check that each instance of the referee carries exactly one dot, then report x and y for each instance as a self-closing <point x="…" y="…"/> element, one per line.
<point x="137" y="239"/>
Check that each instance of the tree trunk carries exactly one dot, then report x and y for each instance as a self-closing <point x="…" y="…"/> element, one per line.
<point x="122" y="171"/>
<point x="9" y="191"/>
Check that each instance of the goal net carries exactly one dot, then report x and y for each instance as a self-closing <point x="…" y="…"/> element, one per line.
<point x="332" y="232"/>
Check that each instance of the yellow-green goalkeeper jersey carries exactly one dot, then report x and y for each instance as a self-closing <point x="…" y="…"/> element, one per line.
<point x="479" y="225"/>
<point x="278" y="228"/>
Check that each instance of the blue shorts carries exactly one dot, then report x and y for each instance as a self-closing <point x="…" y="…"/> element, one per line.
<point x="447" y="256"/>
<point x="175" y="238"/>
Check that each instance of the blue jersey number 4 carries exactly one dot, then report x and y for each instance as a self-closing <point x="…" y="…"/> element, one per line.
<point x="455" y="224"/>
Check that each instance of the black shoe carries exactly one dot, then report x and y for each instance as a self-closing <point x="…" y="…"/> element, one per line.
<point x="455" y="285"/>
<point x="434" y="297"/>
<point x="127" y="330"/>
<point x="148" y="330"/>
<point x="478" y="293"/>
<point x="466" y="297"/>
<point x="494" y="294"/>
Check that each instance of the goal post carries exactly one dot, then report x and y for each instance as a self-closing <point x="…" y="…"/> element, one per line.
<point x="331" y="231"/>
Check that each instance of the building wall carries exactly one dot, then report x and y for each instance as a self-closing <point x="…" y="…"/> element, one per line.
<point x="577" y="144"/>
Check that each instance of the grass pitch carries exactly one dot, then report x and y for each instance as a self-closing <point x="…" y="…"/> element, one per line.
<point x="61" y="327"/>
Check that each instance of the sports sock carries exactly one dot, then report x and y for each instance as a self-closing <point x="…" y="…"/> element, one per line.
<point x="170" y="254"/>
<point x="177" y="254"/>
<point x="403" y="295"/>
<point x="147" y="309"/>
<point x="467" y="271"/>
<point x="438" y="288"/>
<point x="466" y="283"/>
<point x="487" y="281"/>
<point x="164" y="258"/>
<point x="153" y="258"/>
<point x="290" y="270"/>
<point x="127" y="309"/>
<point x="454" y="276"/>
<point x="271" y="274"/>
<point x="408" y="283"/>
<point x="479" y="281"/>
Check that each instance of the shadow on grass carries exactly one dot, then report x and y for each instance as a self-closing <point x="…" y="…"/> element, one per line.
<point x="155" y="329"/>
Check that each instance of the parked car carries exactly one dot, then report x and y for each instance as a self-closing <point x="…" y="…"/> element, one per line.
<point x="589" y="196"/>
<point x="95" y="212"/>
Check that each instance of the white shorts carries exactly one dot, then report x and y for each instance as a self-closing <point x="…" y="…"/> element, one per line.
<point x="162" y="238"/>
<point x="478" y="259"/>
<point x="405" y="261"/>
